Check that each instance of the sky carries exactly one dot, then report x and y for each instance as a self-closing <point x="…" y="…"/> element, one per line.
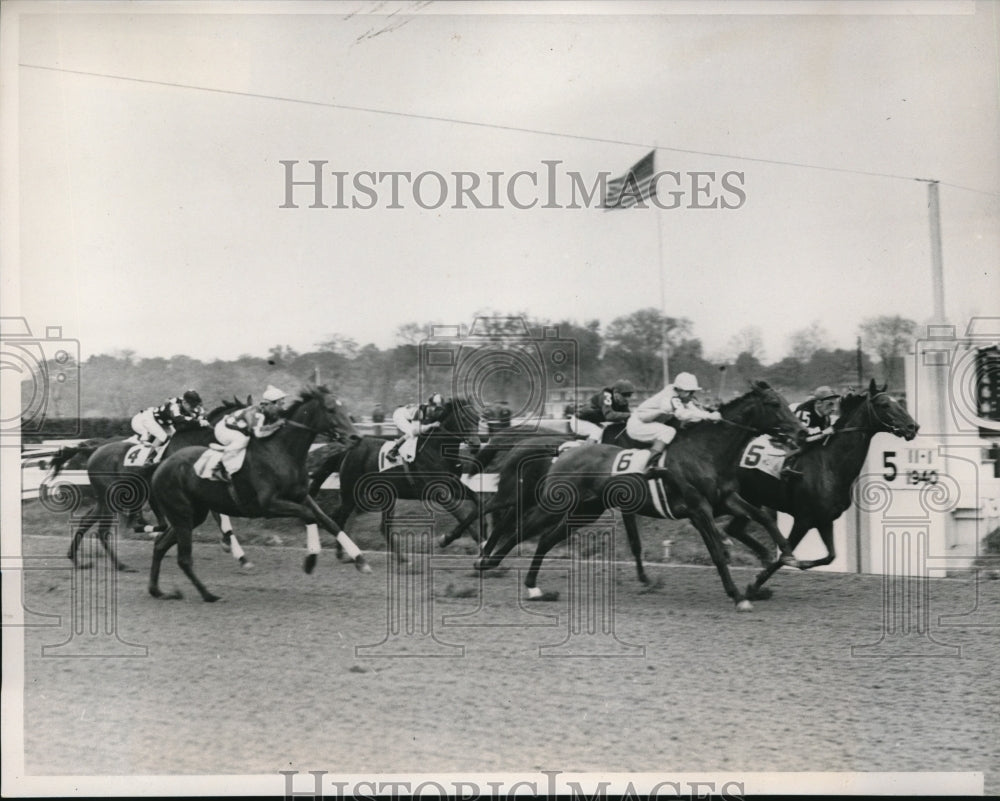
<point x="149" y="186"/>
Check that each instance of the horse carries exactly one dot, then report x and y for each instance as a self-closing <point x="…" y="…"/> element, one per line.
<point x="271" y="483"/>
<point x="698" y="479"/>
<point x="828" y="467"/>
<point x="119" y="487"/>
<point x="433" y="473"/>
<point x="520" y="459"/>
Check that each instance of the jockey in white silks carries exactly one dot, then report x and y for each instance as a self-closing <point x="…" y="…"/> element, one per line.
<point x="675" y="403"/>
<point x="413" y="420"/>
<point x="234" y="431"/>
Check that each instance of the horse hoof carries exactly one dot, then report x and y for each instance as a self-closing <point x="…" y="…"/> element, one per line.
<point x="210" y="599"/>
<point x="225" y="545"/>
<point x="123" y="568"/>
<point x="342" y="556"/>
<point x="535" y="594"/>
<point x="309" y="565"/>
<point x="789" y="561"/>
<point x="246" y="565"/>
<point x="361" y="564"/>
<point x="744" y="606"/>
<point x="759" y="594"/>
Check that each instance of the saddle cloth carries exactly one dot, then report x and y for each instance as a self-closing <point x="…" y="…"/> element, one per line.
<point x="762" y="454"/>
<point x="407" y="453"/>
<point x="205" y="466"/>
<point x="635" y="460"/>
<point x="136" y="455"/>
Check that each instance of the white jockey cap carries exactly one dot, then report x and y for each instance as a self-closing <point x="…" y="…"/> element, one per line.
<point x="272" y="393"/>
<point x="686" y="382"/>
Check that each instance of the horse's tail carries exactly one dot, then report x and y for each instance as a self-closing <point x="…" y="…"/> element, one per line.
<point x="68" y="452"/>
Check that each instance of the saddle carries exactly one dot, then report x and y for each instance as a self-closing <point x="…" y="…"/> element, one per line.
<point x="209" y="460"/>
<point x="406" y="453"/>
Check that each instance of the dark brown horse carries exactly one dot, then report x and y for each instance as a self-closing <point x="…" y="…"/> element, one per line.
<point x="433" y="476"/>
<point x="271" y="483"/>
<point x="699" y="480"/>
<point x="123" y="488"/>
<point x="520" y="460"/>
<point x="828" y="467"/>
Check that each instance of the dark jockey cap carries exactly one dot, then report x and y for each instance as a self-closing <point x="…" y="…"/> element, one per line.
<point x="624" y="387"/>
<point x="192" y="398"/>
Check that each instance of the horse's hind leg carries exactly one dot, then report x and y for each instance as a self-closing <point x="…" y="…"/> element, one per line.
<point x="635" y="543"/>
<point x="164" y="542"/>
<point x="185" y="560"/>
<point x="737" y="529"/>
<point x="104" y="535"/>
<point x="229" y="542"/>
<point x="555" y="531"/>
<point x="88" y="520"/>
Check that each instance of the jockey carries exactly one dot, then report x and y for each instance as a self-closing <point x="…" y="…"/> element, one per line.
<point x="260" y="420"/>
<point x="156" y="424"/>
<point x="414" y="419"/>
<point x="657" y="417"/>
<point x="816" y="413"/>
<point x="610" y="405"/>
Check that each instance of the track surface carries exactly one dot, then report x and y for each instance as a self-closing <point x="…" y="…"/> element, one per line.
<point x="270" y="678"/>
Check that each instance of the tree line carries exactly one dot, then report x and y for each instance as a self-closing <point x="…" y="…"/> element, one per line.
<point x="116" y="385"/>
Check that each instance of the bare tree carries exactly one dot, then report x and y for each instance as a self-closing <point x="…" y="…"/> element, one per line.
<point x="889" y="337"/>
<point x="806" y="341"/>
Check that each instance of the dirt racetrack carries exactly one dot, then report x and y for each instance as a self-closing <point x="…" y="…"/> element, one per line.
<point x="269" y="678"/>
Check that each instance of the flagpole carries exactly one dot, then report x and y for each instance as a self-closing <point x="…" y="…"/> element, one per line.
<point x="664" y="346"/>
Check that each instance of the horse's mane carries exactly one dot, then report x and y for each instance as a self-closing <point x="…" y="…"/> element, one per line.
<point x="848" y="403"/>
<point x="309" y="392"/>
<point x="755" y="387"/>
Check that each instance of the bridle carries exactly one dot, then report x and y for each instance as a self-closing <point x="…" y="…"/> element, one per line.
<point x="872" y="415"/>
<point x="332" y="431"/>
<point x="774" y="431"/>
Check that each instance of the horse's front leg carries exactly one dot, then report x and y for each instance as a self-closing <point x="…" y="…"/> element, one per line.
<point x="738" y="506"/>
<point x="702" y="518"/>
<point x="825" y="530"/>
<point x="464" y="522"/>
<point x="310" y="513"/>
<point x="757" y="590"/>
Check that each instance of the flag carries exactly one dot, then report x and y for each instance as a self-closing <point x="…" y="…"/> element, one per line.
<point x="633" y="187"/>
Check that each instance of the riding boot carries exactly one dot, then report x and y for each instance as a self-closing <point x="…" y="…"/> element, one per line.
<point x="221" y="473"/>
<point x="393" y="452"/>
<point x="789" y="472"/>
<point x="652" y="471"/>
<point x="154" y="451"/>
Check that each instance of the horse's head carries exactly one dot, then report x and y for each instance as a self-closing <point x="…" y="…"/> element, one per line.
<point x="317" y="409"/>
<point x="459" y="418"/>
<point x="876" y="410"/>
<point x="765" y="411"/>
